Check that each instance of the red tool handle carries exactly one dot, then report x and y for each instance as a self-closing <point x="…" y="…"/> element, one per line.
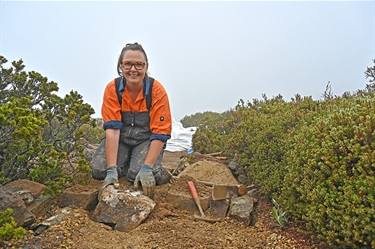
<point x="193" y="190"/>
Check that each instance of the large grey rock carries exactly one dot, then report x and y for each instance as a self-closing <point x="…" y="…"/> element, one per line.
<point x="241" y="208"/>
<point x="8" y="199"/>
<point x="125" y="210"/>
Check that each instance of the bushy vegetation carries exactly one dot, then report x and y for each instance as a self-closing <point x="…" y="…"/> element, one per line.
<point x="40" y="132"/>
<point x="197" y="118"/>
<point x="330" y="182"/>
<point x="315" y="159"/>
<point x="8" y="227"/>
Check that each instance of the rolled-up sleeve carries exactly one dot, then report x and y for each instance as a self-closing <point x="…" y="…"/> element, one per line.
<point x="161" y="137"/>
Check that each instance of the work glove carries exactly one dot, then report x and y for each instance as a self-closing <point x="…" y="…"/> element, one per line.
<point x="111" y="178"/>
<point x="147" y="180"/>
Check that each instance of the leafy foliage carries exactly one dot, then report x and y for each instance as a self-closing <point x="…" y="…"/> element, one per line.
<point x="281" y="217"/>
<point x="370" y="75"/>
<point x="8" y="227"/>
<point x="315" y="157"/>
<point x="20" y="136"/>
<point x="211" y="135"/>
<point x="40" y="131"/>
<point x="330" y="183"/>
<point x="49" y="171"/>
<point x="258" y="133"/>
<point x="197" y="118"/>
<point x="94" y="132"/>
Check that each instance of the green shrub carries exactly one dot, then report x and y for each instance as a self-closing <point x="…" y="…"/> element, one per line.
<point x="20" y="137"/>
<point x="316" y="157"/>
<point x="8" y="227"/>
<point x="330" y="184"/>
<point x="49" y="172"/>
<point x="92" y="133"/>
<point x="210" y="135"/>
<point x="40" y="132"/>
<point x="259" y="133"/>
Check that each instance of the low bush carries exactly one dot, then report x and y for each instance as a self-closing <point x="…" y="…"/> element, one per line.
<point x="8" y="227"/>
<point x="330" y="184"/>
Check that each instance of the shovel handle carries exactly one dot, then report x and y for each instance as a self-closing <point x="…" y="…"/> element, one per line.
<point x="193" y="190"/>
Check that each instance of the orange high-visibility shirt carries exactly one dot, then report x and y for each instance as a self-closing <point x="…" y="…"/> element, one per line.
<point x="160" y="114"/>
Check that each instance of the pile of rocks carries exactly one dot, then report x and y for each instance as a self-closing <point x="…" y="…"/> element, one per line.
<point x="125" y="209"/>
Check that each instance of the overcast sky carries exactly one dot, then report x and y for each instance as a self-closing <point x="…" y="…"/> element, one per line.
<point x="208" y="55"/>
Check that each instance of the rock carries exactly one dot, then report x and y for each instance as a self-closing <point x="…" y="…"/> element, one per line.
<point x="26" y="195"/>
<point x="80" y="196"/>
<point x="234" y="167"/>
<point x="241" y="208"/>
<point x="41" y="205"/>
<point x="37" y="189"/>
<point x="56" y="219"/>
<point x="243" y="179"/>
<point x="185" y="202"/>
<point x="8" y="199"/>
<point x="125" y="210"/>
<point x="89" y="150"/>
<point x="31" y="193"/>
<point x="219" y="208"/>
<point x="253" y="192"/>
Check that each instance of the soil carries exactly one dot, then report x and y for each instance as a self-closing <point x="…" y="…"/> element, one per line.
<point x="167" y="227"/>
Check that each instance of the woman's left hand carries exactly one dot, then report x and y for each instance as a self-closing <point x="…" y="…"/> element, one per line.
<point x="147" y="180"/>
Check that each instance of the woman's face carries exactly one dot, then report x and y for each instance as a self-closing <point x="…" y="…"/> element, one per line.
<point x="134" y="67"/>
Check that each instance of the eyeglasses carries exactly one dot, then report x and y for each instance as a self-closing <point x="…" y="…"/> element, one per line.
<point x="138" y="65"/>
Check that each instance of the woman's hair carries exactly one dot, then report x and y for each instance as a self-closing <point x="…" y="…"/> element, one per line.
<point x="130" y="46"/>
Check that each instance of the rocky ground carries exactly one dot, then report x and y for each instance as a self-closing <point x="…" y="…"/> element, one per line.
<point x="168" y="227"/>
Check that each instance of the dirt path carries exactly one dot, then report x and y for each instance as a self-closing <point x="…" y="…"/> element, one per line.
<point x="167" y="227"/>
